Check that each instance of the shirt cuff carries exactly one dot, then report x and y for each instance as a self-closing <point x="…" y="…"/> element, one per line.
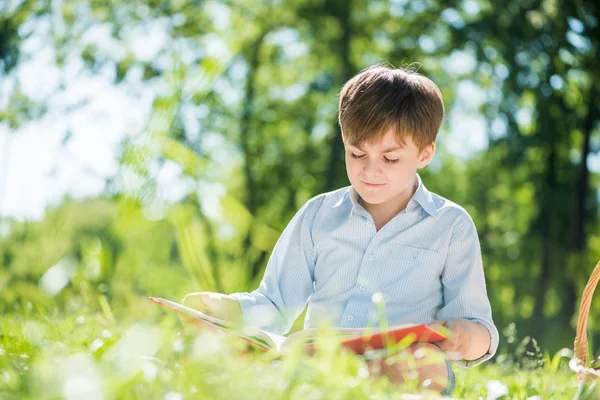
<point x="246" y="301"/>
<point x="258" y="311"/>
<point x="491" y="351"/>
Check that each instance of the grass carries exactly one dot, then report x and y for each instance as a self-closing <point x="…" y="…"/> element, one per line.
<point x="137" y="355"/>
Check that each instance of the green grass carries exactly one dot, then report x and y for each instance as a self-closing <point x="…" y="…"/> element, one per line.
<point x="96" y="355"/>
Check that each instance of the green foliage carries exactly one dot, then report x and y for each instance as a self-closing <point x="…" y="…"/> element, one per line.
<point x="47" y="356"/>
<point x="244" y="106"/>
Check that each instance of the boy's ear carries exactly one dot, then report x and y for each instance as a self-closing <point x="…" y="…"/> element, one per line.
<point x="426" y="155"/>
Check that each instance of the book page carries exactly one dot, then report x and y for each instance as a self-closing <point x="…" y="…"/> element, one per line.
<point x="263" y="339"/>
<point x="192" y="312"/>
<point x="276" y="340"/>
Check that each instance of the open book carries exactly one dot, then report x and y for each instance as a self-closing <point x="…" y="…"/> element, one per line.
<point x="356" y="339"/>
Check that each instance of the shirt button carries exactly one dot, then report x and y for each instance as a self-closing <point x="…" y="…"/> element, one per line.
<point x="371" y="257"/>
<point x="416" y="253"/>
<point x="362" y="287"/>
<point x="369" y="223"/>
<point x="350" y="317"/>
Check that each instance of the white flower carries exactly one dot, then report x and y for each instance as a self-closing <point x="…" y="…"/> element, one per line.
<point x="495" y="390"/>
<point x="377" y="298"/>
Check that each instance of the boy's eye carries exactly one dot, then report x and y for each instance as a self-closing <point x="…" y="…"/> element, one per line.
<point x="387" y="160"/>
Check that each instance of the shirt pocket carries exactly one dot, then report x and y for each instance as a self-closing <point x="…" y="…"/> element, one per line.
<point x="413" y="277"/>
<point x="414" y="254"/>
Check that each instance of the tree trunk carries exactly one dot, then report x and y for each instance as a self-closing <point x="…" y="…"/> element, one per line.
<point x="245" y="123"/>
<point x="583" y="183"/>
<point x="211" y="247"/>
<point x="334" y="170"/>
<point x="547" y="229"/>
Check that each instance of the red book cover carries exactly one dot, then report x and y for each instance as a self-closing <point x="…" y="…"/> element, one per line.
<point x="412" y="334"/>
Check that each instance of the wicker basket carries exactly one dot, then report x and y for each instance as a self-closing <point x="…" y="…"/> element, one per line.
<point x="579" y="362"/>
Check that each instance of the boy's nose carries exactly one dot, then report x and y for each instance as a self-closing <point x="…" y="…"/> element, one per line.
<point x="371" y="168"/>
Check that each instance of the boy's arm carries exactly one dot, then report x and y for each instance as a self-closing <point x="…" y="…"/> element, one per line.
<point x="288" y="280"/>
<point x="467" y="311"/>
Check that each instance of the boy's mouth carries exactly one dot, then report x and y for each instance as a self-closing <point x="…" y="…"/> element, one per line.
<point x="373" y="184"/>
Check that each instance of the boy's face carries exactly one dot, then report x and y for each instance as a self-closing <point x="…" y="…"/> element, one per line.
<point x="384" y="173"/>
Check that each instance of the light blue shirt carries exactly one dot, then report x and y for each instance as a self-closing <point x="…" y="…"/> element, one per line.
<point x="425" y="264"/>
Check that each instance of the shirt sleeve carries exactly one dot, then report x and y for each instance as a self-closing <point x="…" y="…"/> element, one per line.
<point x="287" y="283"/>
<point x="464" y="288"/>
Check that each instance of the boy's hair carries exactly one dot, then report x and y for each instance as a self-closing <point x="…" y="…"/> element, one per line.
<point x="380" y="98"/>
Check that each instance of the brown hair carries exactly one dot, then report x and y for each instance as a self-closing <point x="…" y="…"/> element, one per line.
<point x="380" y="98"/>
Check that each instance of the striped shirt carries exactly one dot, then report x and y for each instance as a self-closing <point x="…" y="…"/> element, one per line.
<point x="423" y="265"/>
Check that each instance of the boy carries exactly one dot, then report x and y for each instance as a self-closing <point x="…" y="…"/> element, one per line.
<point x="385" y="236"/>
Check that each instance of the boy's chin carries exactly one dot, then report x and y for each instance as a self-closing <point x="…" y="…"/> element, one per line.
<point x="371" y="198"/>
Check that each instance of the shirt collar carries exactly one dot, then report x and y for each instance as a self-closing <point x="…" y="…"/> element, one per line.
<point x="346" y="196"/>
<point x="422" y="196"/>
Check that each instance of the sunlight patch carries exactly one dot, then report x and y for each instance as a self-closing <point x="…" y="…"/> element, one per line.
<point x="57" y="277"/>
<point x="173" y="396"/>
<point x="81" y="380"/>
<point x="127" y="355"/>
<point x="207" y="345"/>
<point x="35" y="332"/>
<point x="495" y="390"/>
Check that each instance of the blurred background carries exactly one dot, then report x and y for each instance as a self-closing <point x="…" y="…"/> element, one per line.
<point x="160" y="147"/>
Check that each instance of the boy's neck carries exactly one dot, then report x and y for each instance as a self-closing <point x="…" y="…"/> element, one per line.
<point x="383" y="213"/>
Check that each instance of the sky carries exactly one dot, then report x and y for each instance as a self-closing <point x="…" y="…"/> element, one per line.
<point x="41" y="169"/>
<point x="38" y="169"/>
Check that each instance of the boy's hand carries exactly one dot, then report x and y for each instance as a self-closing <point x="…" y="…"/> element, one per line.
<point x="216" y="305"/>
<point x="467" y="340"/>
<point x="423" y="361"/>
<point x="457" y="341"/>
